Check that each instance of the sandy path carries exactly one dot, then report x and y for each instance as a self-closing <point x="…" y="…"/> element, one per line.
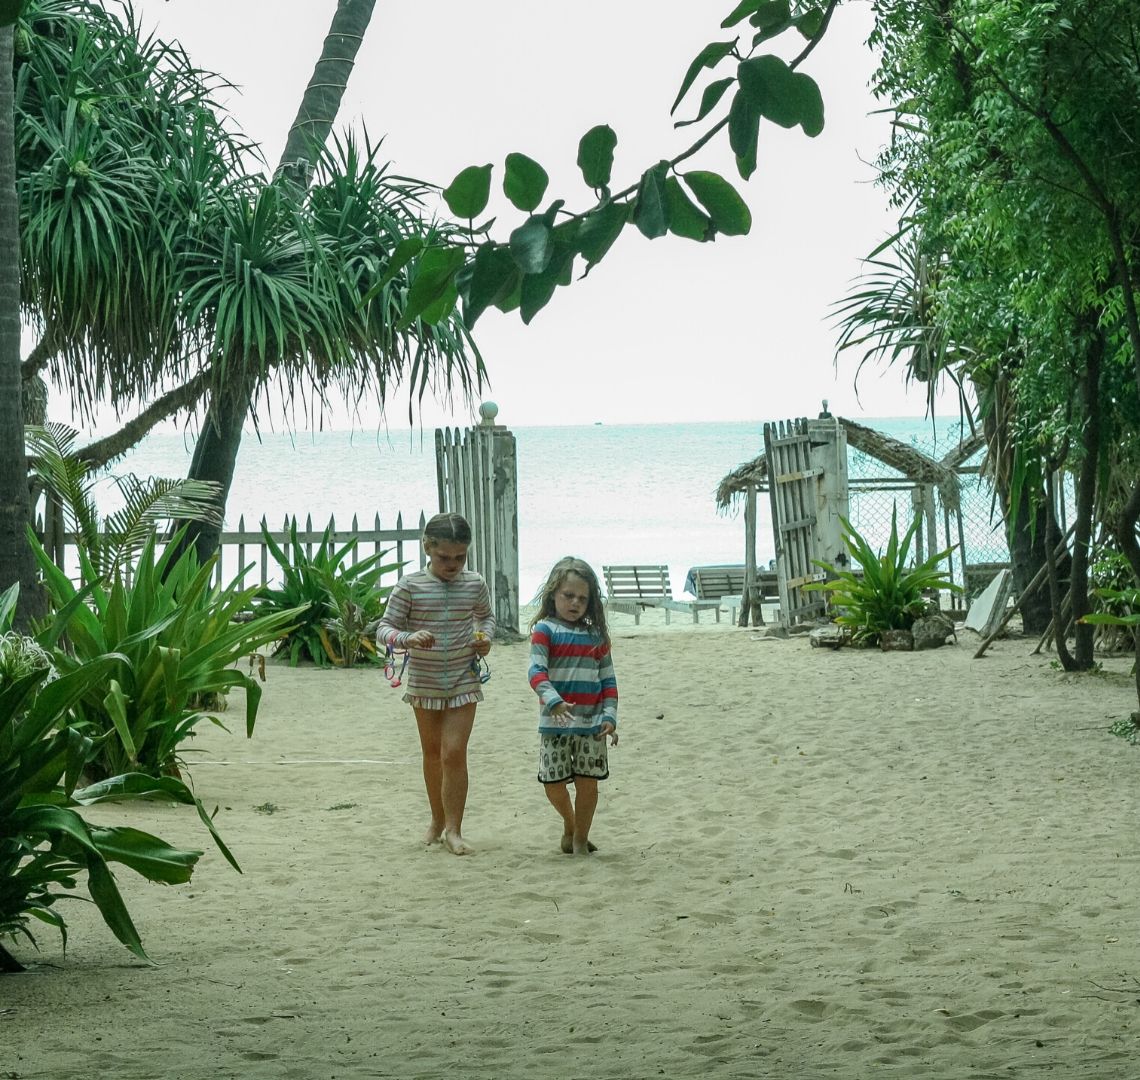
<point x="812" y="864"/>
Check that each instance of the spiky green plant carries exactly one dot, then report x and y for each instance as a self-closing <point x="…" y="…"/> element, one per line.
<point x="174" y="641"/>
<point x="881" y="591"/>
<point x="45" y="845"/>
<point x="338" y="596"/>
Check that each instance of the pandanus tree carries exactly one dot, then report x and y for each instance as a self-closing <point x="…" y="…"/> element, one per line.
<point x="159" y="269"/>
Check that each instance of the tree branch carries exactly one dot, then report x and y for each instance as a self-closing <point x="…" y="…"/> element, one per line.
<point x="39" y="357"/>
<point x="98" y="453"/>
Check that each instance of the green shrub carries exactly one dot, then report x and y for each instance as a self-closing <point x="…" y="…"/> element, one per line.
<point x="880" y="591"/>
<point x="44" y="843"/>
<point x="173" y="639"/>
<point x="341" y="599"/>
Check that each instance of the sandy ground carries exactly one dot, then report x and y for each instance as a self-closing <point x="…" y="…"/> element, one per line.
<point x="811" y="864"/>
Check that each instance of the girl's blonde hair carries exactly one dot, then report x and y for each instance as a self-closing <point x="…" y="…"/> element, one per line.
<point x="595" y="616"/>
<point x="452" y="528"/>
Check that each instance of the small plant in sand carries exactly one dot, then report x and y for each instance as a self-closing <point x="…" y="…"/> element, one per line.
<point x="342" y="599"/>
<point x="881" y="591"/>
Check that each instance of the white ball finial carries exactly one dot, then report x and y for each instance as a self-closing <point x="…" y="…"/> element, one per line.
<point x="488" y="411"/>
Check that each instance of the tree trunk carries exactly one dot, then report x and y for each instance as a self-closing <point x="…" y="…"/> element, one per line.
<point x="217" y="450"/>
<point x="17" y="564"/>
<point x="323" y="95"/>
<point x="1025" y="529"/>
<point x="1079" y="603"/>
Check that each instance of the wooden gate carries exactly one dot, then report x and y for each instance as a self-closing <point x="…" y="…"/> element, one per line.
<point x="794" y="488"/>
<point x="477" y="476"/>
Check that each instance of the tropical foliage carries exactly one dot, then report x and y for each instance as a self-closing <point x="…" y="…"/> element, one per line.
<point x="523" y="271"/>
<point x="110" y="545"/>
<point x="1014" y="164"/>
<point x="883" y="591"/>
<point x="174" y="643"/>
<point x="337" y="598"/>
<point x="45" y="845"/>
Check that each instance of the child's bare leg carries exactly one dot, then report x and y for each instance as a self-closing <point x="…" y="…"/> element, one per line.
<point x="456" y="733"/>
<point x="430" y="724"/>
<point x="585" y="803"/>
<point x="559" y="796"/>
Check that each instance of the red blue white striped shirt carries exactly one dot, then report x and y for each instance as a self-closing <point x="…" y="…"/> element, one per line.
<point x="569" y="662"/>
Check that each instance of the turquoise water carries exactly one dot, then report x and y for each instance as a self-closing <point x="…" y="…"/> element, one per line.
<point x="628" y="493"/>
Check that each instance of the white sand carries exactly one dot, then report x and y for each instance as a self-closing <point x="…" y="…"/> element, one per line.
<point x="812" y="864"/>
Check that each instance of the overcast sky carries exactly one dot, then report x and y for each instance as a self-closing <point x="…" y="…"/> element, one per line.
<point x="667" y="330"/>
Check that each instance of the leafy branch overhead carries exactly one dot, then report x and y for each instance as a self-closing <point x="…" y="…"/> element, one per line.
<point x="540" y="253"/>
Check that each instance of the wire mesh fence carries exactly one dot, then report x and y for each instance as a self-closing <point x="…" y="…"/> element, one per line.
<point x="974" y="530"/>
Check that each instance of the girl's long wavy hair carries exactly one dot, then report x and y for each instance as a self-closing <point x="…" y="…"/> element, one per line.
<point x="595" y="617"/>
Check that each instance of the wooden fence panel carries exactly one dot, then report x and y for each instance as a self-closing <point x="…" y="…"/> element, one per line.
<point x="477" y="476"/>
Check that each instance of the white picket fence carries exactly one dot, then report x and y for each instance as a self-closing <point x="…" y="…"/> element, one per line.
<point x="244" y="550"/>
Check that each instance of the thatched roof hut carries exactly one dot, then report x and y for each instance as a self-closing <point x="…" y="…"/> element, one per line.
<point x="912" y="463"/>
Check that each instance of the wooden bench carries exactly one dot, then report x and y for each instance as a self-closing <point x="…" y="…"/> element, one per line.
<point x="726" y="585"/>
<point x="632" y="589"/>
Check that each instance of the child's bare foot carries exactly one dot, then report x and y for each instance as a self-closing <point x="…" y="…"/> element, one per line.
<point x="456" y="844"/>
<point x="567" y="845"/>
<point x="433" y="835"/>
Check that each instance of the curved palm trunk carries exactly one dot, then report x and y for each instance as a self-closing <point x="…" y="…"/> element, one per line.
<point x="16" y="561"/>
<point x="215" y="456"/>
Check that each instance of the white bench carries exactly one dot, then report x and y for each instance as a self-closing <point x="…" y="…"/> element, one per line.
<point x="632" y="589"/>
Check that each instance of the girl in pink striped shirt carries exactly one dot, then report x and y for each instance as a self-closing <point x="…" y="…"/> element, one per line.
<point x="442" y="616"/>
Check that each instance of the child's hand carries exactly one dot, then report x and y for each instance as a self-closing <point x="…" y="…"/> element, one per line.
<point x="561" y="709"/>
<point x="608" y="730"/>
<point x="422" y="639"/>
<point x="481" y="643"/>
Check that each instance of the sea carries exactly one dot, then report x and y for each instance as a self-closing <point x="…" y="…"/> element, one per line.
<point x="607" y="493"/>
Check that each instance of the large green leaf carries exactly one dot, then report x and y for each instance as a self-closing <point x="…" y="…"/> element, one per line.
<point x="434" y="272"/>
<point x="530" y="244"/>
<point x="744" y="132"/>
<point x="537" y="289"/>
<point x="524" y="182"/>
<point x="154" y="859"/>
<point x="685" y="218"/>
<point x="651" y="211"/>
<point x="771" y="13"/>
<point x="596" y="155"/>
<point x="741" y="12"/>
<point x="466" y="196"/>
<point x="709" y="100"/>
<point x="784" y="96"/>
<point x="600" y="228"/>
<point x="494" y="274"/>
<point x="729" y="212"/>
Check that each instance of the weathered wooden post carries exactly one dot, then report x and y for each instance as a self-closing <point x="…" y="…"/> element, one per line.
<point x="504" y="524"/>
<point x="477" y="476"/>
<point x="750" y="601"/>
<point x="827" y="439"/>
